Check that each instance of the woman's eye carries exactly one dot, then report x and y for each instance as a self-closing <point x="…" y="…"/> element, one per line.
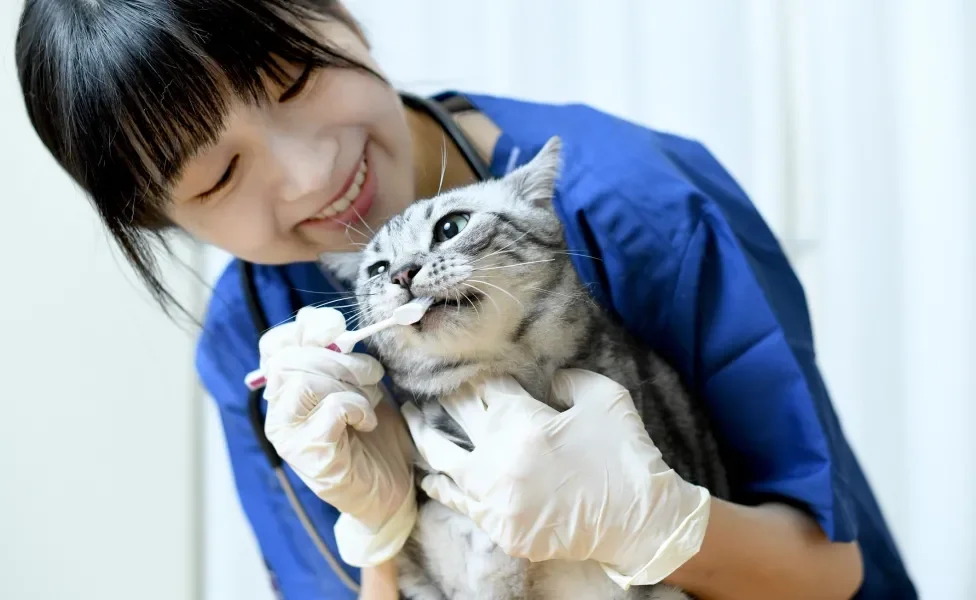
<point x="450" y="226"/>
<point x="377" y="268"/>
<point x="298" y="85"/>
<point x="224" y="179"/>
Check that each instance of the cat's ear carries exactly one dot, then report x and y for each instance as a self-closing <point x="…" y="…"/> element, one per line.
<point x="535" y="181"/>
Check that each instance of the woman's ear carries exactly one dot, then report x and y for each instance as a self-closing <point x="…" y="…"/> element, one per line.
<point x="535" y="181"/>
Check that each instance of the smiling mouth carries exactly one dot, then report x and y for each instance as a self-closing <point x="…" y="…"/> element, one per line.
<point x="342" y="203"/>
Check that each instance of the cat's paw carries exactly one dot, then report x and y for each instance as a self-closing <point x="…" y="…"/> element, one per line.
<point x="666" y="592"/>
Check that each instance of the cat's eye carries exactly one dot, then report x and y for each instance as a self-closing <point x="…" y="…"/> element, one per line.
<point x="450" y="226"/>
<point x="378" y="268"/>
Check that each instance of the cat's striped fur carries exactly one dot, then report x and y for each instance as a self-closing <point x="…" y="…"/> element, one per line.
<point x="514" y="305"/>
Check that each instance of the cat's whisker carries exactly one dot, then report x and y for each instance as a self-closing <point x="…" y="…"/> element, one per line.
<point x="359" y="313"/>
<point x="470" y="301"/>
<point x="580" y="254"/>
<point x="513" y="251"/>
<point x="457" y="299"/>
<point x="502" y="290"/>
<point x="356" y="320"/>
<point x="440" y="184"/>
<point x="506" y="247"/>
<point x="348" y="227"/>
<point x="334" y="303"/>
<point x="349" y="294"/>
<point x="486" y="295"/>
<point x="362" y="220"/>
<point x="351" y="298"/>
<point x="545" y="291"/>
<point x="349" y="237"/>
<point x="335" y="307"/>
<point x="512" y="266"/>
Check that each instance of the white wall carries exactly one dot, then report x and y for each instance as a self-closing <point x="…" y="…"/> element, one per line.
<point x="98" y="477"/>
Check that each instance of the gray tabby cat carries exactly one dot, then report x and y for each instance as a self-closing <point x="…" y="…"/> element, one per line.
<point x="508" y="301"/>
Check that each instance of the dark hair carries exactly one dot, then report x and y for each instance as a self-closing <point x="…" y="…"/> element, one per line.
<point x="122" y="92"/>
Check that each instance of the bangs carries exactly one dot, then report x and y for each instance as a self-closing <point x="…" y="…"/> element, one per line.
<point x="143" y="86"/>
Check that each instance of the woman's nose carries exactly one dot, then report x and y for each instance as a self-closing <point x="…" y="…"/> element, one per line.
<point x="307" y="165"/>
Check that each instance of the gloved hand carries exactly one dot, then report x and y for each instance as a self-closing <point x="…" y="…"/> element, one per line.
<point x="327" y="420"/>
<point x="584" y="484"/>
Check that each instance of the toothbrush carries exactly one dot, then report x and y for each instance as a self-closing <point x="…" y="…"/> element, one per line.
<point x="408" y="314"/>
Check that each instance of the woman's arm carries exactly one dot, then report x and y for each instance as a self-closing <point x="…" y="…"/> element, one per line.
<point x="768" y="551"/>
<point x="379" y="583"/>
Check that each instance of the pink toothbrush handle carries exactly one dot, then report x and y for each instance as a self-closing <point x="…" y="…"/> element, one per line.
<point x="256" y="379"/>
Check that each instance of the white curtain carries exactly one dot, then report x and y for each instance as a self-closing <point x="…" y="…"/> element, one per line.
<point x="852" y="123"/>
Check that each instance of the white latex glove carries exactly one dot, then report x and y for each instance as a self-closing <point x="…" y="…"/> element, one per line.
<point x="327" y="420"/>
<point x="584" y="484"/>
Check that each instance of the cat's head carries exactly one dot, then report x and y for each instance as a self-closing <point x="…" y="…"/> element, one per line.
<point x="486" y="253"/>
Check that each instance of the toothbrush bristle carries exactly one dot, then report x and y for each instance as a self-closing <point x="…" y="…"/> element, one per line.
<point x="413" y="311"/>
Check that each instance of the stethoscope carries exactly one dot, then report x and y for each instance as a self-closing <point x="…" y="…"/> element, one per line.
<point x="441" y="114"/>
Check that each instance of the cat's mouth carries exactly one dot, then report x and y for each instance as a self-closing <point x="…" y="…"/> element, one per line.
<point x="458" y="302"/>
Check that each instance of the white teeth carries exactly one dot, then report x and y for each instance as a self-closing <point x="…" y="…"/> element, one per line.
<point x="361" y="173"/>
<point x="341" y="204"/>
<point x="345" y="201"/>
<point x="328" y="211"/>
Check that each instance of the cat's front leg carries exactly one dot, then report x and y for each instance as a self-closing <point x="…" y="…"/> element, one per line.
<point x="664" y="592"/>
<point x="414" y="582"/>
<point x="459" y="559"/>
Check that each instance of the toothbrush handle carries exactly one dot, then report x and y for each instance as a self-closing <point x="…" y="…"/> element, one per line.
<point x="256" y="378"/>
<point x="344" y="344"/>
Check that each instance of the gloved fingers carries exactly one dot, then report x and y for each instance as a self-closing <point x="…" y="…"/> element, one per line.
<point x="291" y="402"/>
<point x="501" y="388"/>
<point x="578" y="387"/>
<point x="319" y="326"/>
<point x="508" y="405"/>
<point x="359" y="369"/>
<point x="468" y="410"/>
<point x="440" y="487"/>
<point x="276" y="339"/>
<point x="311" y="387"/>
<point x="439" y="452"/>
<point x="298" y="397"/>
<point x="356" y="369"/>
<point x="312" y="327"/>
<point x="337" y="410"/>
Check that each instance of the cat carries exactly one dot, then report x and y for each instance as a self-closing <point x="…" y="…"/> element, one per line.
<point x="508" y="301"/>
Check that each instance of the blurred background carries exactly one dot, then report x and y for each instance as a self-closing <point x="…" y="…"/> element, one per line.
<point x="852" y="124"/>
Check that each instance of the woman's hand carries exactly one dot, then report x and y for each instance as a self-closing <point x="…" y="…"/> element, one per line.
<point x="584" y="484"/>
<point x="327" y="419"/>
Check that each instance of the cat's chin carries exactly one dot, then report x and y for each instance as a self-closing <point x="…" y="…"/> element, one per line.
<point x="446" y="332"/>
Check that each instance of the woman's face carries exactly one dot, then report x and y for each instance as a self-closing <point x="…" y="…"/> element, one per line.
<point x="299" y="176"/>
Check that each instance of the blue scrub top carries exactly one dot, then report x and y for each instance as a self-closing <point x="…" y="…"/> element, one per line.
<point x="687" y="263"/>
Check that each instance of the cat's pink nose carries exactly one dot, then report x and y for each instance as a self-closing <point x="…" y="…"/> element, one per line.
<point x="404" y="277"/>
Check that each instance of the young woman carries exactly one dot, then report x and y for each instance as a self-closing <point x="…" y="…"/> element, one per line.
<point x="264" y="127"/>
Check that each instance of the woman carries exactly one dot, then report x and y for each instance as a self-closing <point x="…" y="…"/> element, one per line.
<point x="263" y="127"/>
